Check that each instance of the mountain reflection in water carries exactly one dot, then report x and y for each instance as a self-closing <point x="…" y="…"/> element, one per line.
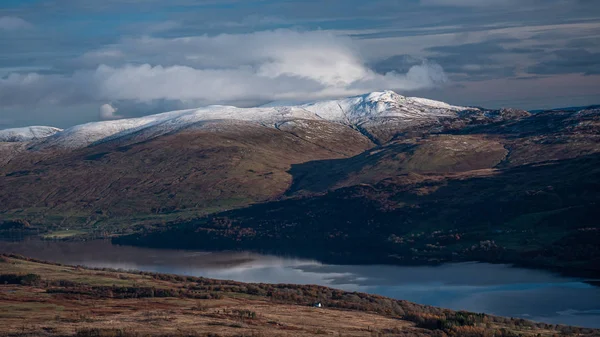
<point x="478" y="287"/>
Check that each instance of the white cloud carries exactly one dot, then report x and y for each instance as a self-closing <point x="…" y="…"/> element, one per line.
<point x="271" y="65"/>
<point x="108" y="112"/>
<point x="12" y="23"/>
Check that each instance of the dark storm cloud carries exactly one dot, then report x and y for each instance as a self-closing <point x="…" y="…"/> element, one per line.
<point x="475" y="61"/>
<point x="399" y="63"/>
<point x="593" y="42"/>
<point x="566" y="61"/>
<point x="470" y="61"/>
<point x="485" y="47"/>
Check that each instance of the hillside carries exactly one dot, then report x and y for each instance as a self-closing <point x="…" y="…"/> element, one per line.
<point x="423" y="181"/>
<point x="183" y="164"/>
<point x="218" y="165"/>
<point x="43" y="299"/>
<point x="539" y="215"/>
<point x="520" y="191"/>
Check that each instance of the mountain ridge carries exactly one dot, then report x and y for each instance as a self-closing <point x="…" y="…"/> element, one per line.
<point x="352" y="111"/>
<point x="187" y="169"/>
<point x="27" y="133"/>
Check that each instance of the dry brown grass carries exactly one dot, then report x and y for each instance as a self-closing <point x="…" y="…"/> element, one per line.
<point x="215" y="167"/>
<point x="54" y="307"/>
<point x="29" y="310"/>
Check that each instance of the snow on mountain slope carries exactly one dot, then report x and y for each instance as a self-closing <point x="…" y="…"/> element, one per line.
<point x="353" y="110"/>
<point x="27" y="133"/>
<point x="381" y="104"/>
<point x="154" y="125"/>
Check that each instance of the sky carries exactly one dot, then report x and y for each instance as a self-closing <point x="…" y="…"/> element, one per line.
<point x="67" y="62"/>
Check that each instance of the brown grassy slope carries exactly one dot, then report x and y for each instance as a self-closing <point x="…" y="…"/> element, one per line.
<point x="119" y="187"/>
<point x="539" y="215"/>
<point x="216" y="166"/>
<point x="545" y="136"/>
<point x="442" y="154"/>
<point x="548" y="136"/>
<point x="66" y="301"/>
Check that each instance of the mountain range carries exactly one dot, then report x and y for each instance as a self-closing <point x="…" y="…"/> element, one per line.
<point x="199" y="160"/>
<point x="376" y="177"/>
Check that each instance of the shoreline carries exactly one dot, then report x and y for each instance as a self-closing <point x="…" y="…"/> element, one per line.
<point x="341" y="258"/>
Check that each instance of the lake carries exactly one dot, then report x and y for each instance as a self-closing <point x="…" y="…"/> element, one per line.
<point x="479" y="287"/>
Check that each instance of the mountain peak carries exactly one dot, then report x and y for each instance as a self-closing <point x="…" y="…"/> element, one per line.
<point x="374" y="107"/>
<point x="380" y="104"/>
<point x="383" y="96"/>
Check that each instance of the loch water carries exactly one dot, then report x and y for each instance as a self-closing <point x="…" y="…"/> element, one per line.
<point x="478" y="287"/>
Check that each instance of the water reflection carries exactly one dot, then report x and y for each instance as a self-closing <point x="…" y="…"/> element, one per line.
<point x="478" y="287"/>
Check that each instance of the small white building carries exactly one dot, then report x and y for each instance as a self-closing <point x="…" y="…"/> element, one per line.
<point x="318" y="305"/>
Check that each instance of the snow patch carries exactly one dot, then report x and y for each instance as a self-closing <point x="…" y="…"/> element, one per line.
<point x="375" y="105"/>
<point x="372" y="108"/>
<point x="28" y="133"/>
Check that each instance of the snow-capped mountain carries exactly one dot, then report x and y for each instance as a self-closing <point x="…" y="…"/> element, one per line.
<point x="183" y="164"/>
<point x="27" y="133"/>
<point x="375" y="105"/>
<point x="353" y="111"/>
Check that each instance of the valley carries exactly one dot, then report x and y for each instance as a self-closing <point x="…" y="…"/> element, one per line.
<point x="202" y="168"/>
<point x="377" y="178"/>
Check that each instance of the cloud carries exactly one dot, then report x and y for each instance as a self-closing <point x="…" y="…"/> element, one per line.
<point x="462" y="3"/>
<point x="12" y="23"/>
<point x="471" y="3"/>
<point x="566" y="61"/>
<point x="203" y="52"/>
<point x="163" y="26"/>
<point x="270" y="65"/>
<point x="481" y="60"/>
<point x="33" y="89"/>
<point x="108" y="112"/>
<point x="399" y="63"/>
